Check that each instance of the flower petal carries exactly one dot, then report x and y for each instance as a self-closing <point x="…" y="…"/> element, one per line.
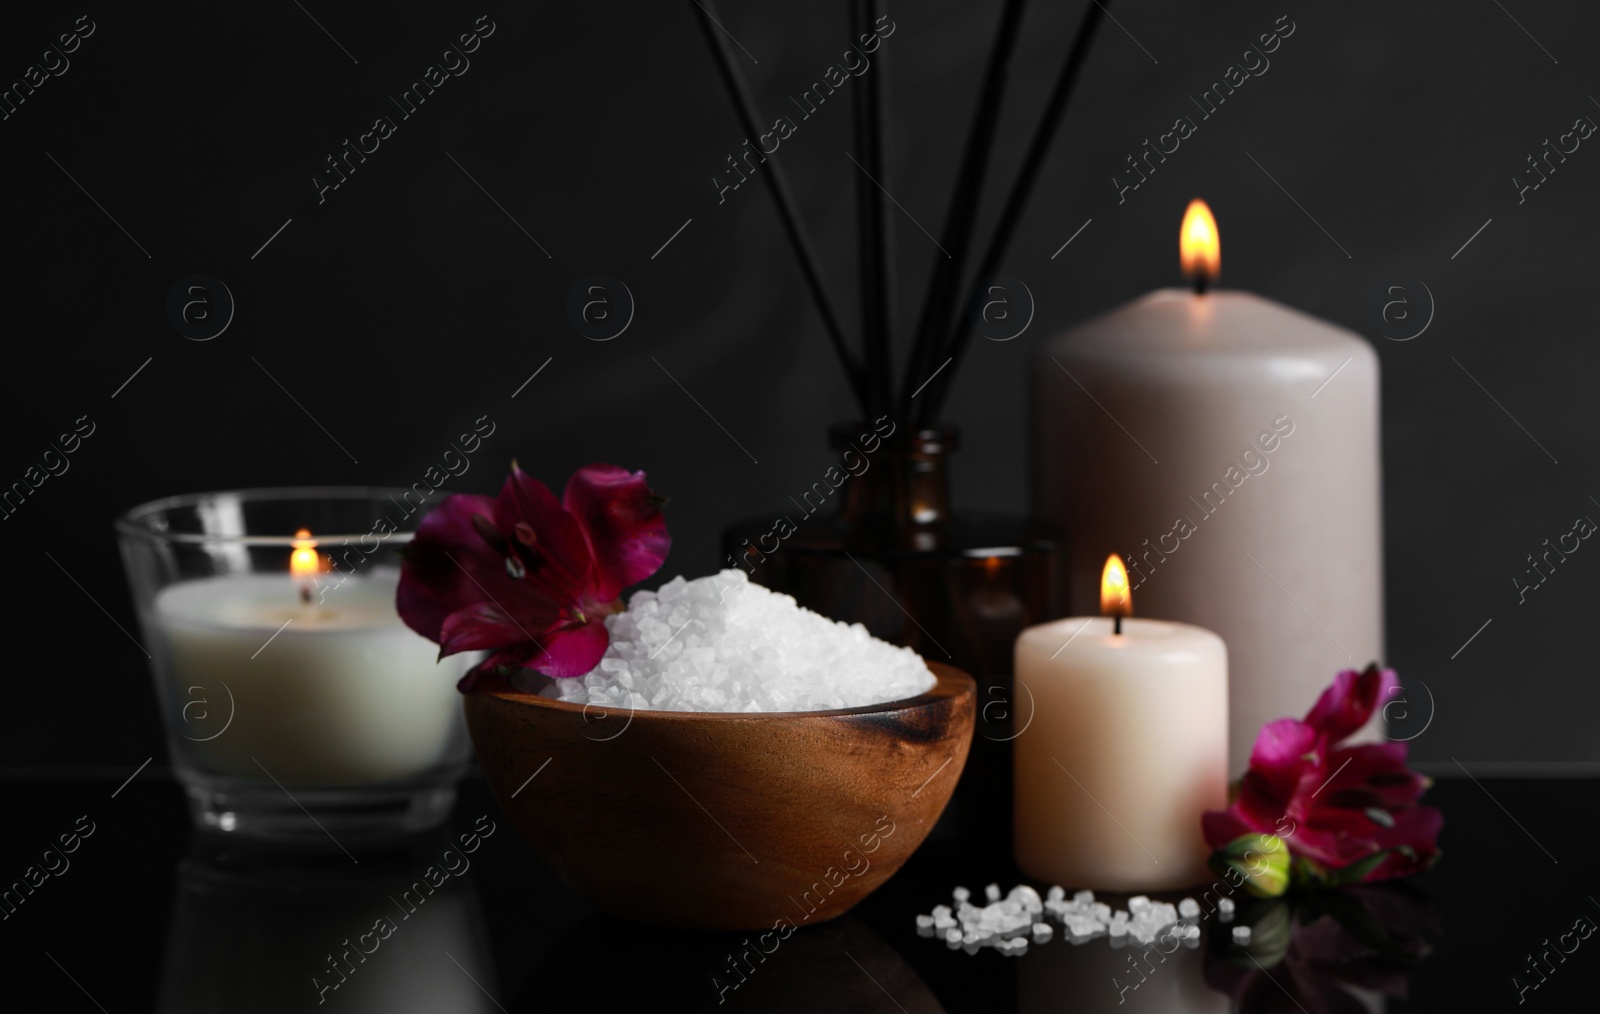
<point x="1373" y="775"/>
<point x="1283" y="745"/>
<point x="1348" y="704"/>
<point x="481" y="627"/>
<point x="449" y="567"/>
<point x="621" y="517"/>
<point x="572" y="651"/>
<point x="1287" y="755"/>
<point x="528" y="514"/>
<point x="432" y="586"/>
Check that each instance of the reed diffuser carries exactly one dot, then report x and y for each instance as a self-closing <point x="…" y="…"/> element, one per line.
<point x="894" y="555"/>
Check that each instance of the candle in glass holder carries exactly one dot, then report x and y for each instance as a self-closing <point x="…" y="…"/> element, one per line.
<point x="1127" y="747"/>
<point x="318" y="690"/>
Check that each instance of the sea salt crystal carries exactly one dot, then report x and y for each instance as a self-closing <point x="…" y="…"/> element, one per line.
<point x="960" y="894"/>
<point x="1027" y="896"/>
<point x="721" y="643"/>
<point x="1241" y="934"/>
<point x="1009" y="924"/>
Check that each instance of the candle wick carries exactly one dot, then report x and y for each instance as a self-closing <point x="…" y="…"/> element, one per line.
<point x="1201" y="281"/>
<point x="1116" y="624"/>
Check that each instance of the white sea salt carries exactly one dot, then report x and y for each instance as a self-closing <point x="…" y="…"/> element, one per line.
<point x="1009" y="925"/>
<point x="1027" y="896"/>
<point x="721" y="643"/>
<point x="1241" y="934"/>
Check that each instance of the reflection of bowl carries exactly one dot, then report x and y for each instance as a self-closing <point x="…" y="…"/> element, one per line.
<point x="724" y="820"/>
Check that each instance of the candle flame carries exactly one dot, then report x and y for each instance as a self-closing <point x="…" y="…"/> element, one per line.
<point x="304" y="561"/>
<point x="1199" y="246"/>
<point x="1115" y="599"/>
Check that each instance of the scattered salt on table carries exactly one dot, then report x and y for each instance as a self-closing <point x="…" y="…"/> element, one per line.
<point x="1008" y="925"/>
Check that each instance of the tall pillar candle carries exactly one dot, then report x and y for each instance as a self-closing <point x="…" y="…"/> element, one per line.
<point x="1228" y="446"/>
<point x="1125" y="749"/>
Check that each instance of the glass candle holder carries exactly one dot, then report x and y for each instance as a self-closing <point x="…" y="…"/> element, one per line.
<point x="296" y="704"/>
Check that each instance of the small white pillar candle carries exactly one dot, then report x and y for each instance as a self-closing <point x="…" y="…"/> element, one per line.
<point x="1127" y="747"/>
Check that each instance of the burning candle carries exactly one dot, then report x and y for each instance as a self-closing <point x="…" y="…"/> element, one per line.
<point x="1127" y="746"/>
<point x="1228" y="445"/>
<point x="315" y="689"/>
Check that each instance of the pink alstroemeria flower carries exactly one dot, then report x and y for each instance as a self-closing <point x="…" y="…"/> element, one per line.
<point x="528" y="577"/>
<point x="1335" y="806"/>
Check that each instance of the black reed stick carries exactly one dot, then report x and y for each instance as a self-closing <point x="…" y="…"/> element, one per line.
<point x="744" y="104"/>
<point x="959" y="336"/>
<point x="874" y="234"/>
<point x="944" y="286"/>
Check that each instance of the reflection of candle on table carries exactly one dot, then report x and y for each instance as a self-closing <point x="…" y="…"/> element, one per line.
<point x="1227" y="445"/>
<point x="321" y="693"/>
<point x="1112" y="977"/>
<point x="1127" y="748"/>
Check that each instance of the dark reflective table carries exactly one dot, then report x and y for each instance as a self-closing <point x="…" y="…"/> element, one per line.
<point x="144" y="914"/>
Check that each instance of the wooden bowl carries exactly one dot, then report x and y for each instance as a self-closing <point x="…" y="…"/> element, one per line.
<point x="716" y="820"/>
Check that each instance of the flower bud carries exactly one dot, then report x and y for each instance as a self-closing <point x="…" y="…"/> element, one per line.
<point x="1257" y="862"/>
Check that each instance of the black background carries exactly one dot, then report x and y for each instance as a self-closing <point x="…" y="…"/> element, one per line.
<point x="408" y="303"/>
